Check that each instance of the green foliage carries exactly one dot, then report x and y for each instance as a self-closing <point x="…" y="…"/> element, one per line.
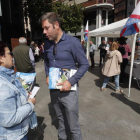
<point x="35" y="9"/>
<point x="71" y="15"/>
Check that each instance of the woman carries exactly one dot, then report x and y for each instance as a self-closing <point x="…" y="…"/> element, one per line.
<point x="15" y="107"/>
<point x="122" y="42"/>
<point x="112" y="66"/>
<point x="36" y="53"/>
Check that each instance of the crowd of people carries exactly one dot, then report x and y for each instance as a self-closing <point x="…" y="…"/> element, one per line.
<point x="38" y="50"/>
<point x="114" y="57"/>
<point x="61" y="51"/>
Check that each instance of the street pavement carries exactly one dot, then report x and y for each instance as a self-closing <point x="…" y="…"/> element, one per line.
<point x="103" y="115"/>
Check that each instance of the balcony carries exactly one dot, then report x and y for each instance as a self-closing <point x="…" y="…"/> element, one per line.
<point x="105" y="1"/>
<point x="98" y="3"/>
<point x="121" y="8"/>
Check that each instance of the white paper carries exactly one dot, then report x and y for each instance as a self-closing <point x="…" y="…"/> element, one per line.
<point x="107" y="48"/>
<point x="34" y="91"/>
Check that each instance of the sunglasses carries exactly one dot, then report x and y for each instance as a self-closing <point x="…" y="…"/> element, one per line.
<point x="54" y="49"/>
<point x="11" y="53"/>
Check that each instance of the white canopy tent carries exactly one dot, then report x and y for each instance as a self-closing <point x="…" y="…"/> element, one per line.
<point x="113" y="30"/>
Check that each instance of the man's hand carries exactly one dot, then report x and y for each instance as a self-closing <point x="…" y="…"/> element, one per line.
<point x="47" y="80"/>
<point x="66" y="86"/>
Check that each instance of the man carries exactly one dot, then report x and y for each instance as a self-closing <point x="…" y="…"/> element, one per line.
<point x="109" y="43"/>
<point x="23" y="56"/>
<point x="83" y="45"/>
<point x="42" y="51"/>
<point x="103" y="51"/>
<point x="92" y="51"/>
<point x="63" y="51"/>
<point x="32" y="46"/>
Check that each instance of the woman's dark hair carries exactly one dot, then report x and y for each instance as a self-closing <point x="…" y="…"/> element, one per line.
<point x="2" y="48"/>
<point x="122" y="40"/>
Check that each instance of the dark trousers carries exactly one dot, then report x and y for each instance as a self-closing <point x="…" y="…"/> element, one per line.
<point x="36" y="58"/>
<point x="92" y="59"/>
<point x="66" y="107"/>
<point x="42" y="56"/>
<point x="123" y="66"/>
<point x="102" y="58"/>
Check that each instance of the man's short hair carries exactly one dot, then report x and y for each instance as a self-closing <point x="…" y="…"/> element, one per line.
<point x="52" y="17"/>
<point x="32" y="42"/>
<point x="22" y="40"/>
<point x="110" y="41"/>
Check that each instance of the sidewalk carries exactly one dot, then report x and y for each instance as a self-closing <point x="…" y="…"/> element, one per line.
<point x="103" y="115"/>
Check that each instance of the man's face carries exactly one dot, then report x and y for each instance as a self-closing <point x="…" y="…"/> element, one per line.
<point x="49" y="30"/>
<point x="103" y="41"/>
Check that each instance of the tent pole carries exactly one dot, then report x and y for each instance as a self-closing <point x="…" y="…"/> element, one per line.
<point x="132" y="61"/>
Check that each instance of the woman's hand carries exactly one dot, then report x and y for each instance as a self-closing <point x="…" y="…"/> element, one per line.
<point x="32" y="100"/>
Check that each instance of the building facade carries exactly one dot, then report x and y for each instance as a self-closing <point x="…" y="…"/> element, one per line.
<point x="11" y="20"/>
<point x="123" y="8"/>
<point x="98" y="13"/>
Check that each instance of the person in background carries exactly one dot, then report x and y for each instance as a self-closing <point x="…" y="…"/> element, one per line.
<point x="109" y="43"/>
<point x="137" y="50"/>
<point x="103" y="52"/>
<point x="15" y="107"/>
<point x="122" y="42"/>
<point x="83" y="46"/>
<point x="32" y="46"/>
<point x="64" y="51"/>
<point x="36" y="53"/>
<point x="92" y="52"/>
<point x="42" y="51"/>
<point x="112" y="66"/>
<point x="23" y="56"/>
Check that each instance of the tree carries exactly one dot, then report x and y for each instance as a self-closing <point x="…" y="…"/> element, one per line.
<point x="35" y="9"/>
<point x="71" y="16"/>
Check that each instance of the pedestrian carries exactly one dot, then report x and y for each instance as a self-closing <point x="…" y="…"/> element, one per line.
<point x="83" y="46"/>
<point x="15" y="107"/>
<point x="42" y="51"/>
<point x="37" y="50"/>
<point x="32" y="46"/>
<point x="63" y="51"/>
<point x="125" y="54"/>
<point x="137" y="50"/>
<point x="112" y="66"/>
<point x="92" y="52"/>
<point x="103" y="52"/>
<point x="109" y="43"/>
<point x="23" y="56"/>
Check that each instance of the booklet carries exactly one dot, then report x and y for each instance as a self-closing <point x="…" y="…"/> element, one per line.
<point x="58" y="75"/>
<point x="27" y="80"/>
<point x="34" y="91"/>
